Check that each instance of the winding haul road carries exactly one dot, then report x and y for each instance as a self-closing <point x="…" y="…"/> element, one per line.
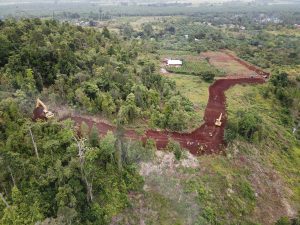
<point x="206" y="139"/>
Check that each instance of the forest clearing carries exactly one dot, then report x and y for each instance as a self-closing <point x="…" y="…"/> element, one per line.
<point x="208" y="138"/>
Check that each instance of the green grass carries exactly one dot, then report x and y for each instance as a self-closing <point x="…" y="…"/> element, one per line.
<point x="5" y="94"/>
<point x="195" y="90"/>
<point x="177" y="53"/>
<point x="278" y="146"/>
<point x="286" y="32"/>
<point x="194" y="68"/>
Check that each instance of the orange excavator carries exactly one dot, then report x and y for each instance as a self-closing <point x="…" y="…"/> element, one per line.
<point x="41" y="111"/>
<point x="218" y="122"/>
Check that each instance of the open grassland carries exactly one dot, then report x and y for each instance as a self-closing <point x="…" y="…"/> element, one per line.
<point x="240" y="188"/>
<point x="193" y="63"/>
<point x="195" y="68"/>
<point x="286" y="32"/>
<point x="292" y="71"/>
<point x="277" y="149"/>
<point x="217" y="62"/>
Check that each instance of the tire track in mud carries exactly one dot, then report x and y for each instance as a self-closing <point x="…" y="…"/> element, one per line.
<point x="208" y="138"/>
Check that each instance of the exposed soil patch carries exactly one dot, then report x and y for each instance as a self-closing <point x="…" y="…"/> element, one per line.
<point x="232" y="65"/>
<point x="206" y="139"/>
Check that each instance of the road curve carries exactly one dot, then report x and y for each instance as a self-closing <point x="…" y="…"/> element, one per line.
<point x="206" y="139"/>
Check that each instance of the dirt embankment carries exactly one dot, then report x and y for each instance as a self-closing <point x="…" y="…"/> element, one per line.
<point x="206" y="139"/>
<point x="248" y="65"/>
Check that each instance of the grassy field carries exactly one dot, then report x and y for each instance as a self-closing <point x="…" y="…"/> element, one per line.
<point x="277" y="150"/>
<point x="225" y="64"/>
<point x="193" y="64"/>
<point x="195" y="68"/>
<point x="286" y="32"/>
<point x="194" y="89"/>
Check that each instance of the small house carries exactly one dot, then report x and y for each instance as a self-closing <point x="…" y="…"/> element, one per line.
<point x="174" y="62"/>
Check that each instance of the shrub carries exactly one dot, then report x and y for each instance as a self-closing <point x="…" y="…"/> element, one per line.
<point x="209" y="214"/>
<point x="283" y="221"/>
<point x="94" y="136"/>
<point x="249" y="123"/>
<point x="208" y="76"/>
<point x="246" y="190"/>
<point x="280" y="80"/>
<point x="174" y="147"/>
<point x="150" y="148"/>
<point x="229" y="135"/>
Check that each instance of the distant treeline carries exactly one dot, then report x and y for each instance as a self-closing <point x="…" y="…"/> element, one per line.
<point x="88" y="10"/>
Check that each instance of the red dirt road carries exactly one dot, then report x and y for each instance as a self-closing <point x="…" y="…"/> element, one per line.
<point x="206" y="139"/>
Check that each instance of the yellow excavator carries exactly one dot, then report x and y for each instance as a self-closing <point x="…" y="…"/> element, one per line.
<point x="218" y="122"/>
<point x="41" y="111"/>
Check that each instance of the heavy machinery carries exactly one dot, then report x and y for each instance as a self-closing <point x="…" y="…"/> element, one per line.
<point x="218" y="122"/>
<point x="41" y="111"/>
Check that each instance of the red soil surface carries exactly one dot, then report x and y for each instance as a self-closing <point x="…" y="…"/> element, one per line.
<point x="231" y="64"/>
<point x="249" y="66"/>
<point x="206" y="139"/>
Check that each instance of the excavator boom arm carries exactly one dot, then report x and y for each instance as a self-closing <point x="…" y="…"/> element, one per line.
<point x="218" y="122"/>
<point x="220" y="116"/>
<point x="40" y="103"/>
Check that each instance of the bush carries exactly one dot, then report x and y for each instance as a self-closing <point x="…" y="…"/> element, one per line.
<point x="246" y="190"/>
<point x="136" y="152"/>
<point x="94" y="137"/>
<point x="280" y="80"/>
<point x="150" y="148"/>
<point x="249" y="123"/>
<point x="283" y="221"/>
<point x="285" y="97"/>
<point x="208" y="76"/>
<point x="229" y="135"/>
<point x="209" y="214"/>
<point x="178" y="153"/>
<point x="175" y="147"/>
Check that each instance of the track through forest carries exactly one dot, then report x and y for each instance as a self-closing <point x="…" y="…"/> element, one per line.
<point x="206" y="139"/>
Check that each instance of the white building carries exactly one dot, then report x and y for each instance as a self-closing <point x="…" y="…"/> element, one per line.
<point x="174" y="62"/>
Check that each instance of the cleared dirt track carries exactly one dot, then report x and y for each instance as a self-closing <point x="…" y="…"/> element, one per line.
<point x="206" y="139"/>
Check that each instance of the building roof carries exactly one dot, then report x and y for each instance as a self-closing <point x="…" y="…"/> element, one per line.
<point x="174" y="62"/>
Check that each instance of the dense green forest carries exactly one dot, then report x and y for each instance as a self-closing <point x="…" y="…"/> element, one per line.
<point x="94" y="71"/>
<point x="48" y="172"/>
